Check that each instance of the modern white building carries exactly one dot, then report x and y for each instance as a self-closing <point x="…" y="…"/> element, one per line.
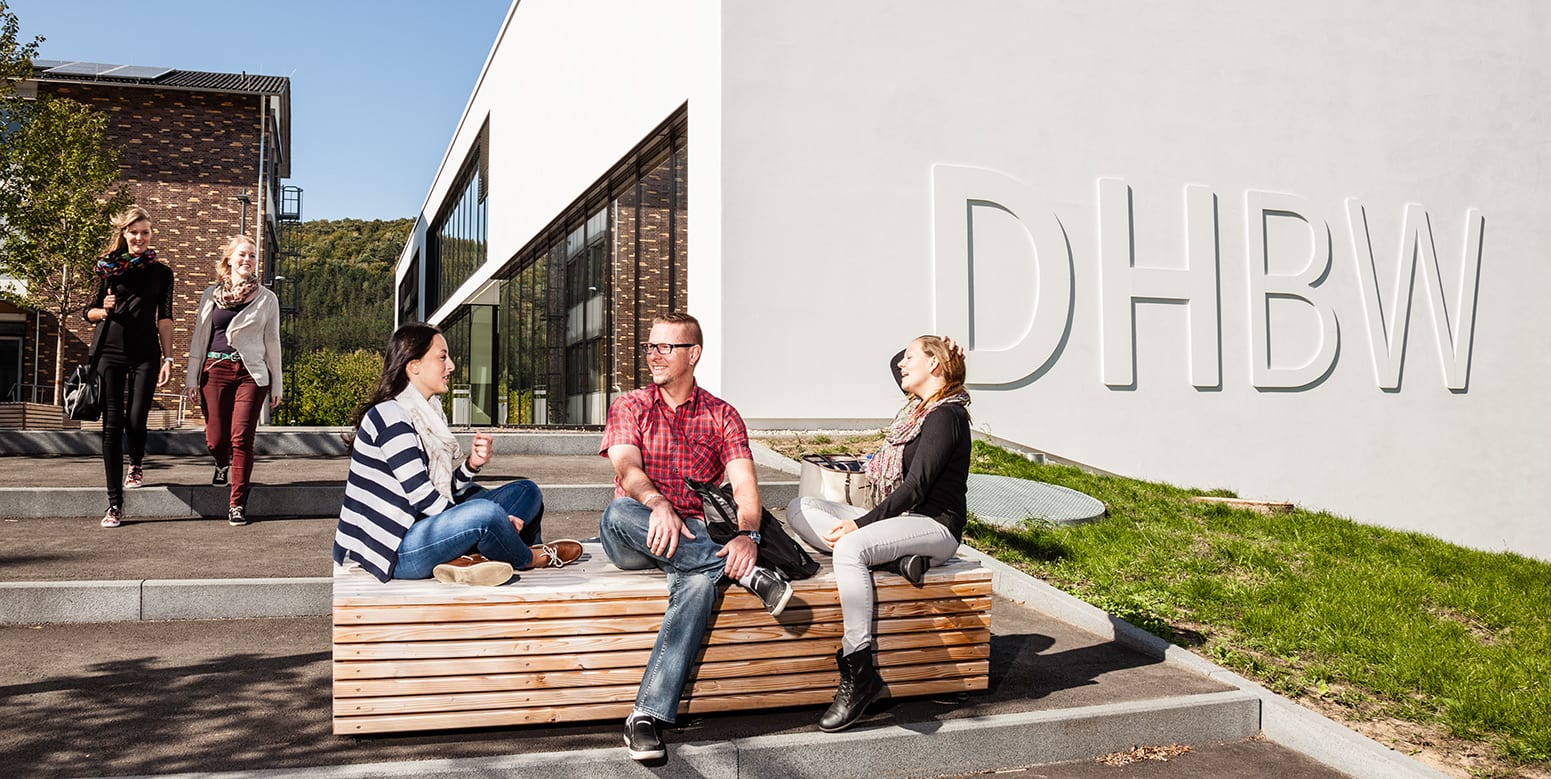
<point x="1289" y="249"/>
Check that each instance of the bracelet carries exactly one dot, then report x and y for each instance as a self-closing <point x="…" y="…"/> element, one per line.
<point x="169" y="359"/>
<point x="647" y="501"/>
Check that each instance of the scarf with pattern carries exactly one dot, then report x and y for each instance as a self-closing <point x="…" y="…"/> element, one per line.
<point x="441" y="448"/>
<point x="229" y="294"/>
<point x="887" y="467"/>
<point x="117" y="262"/>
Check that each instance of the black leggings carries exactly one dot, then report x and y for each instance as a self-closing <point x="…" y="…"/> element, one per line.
<point x="123" y="418"/>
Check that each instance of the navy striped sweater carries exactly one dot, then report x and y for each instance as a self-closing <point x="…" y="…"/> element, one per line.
<point x="388" y="489"/>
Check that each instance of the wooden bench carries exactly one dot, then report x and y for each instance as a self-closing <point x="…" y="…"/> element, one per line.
<point x="570" y="644"/>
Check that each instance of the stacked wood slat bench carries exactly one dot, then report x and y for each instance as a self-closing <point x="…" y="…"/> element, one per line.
<point x="570" y="644"/>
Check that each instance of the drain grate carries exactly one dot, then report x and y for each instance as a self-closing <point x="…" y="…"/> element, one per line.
<point x="1007" y="501"/>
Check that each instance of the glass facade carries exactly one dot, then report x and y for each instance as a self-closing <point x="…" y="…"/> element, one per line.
<point x="552" y="340"/>
<point x="574" y="303"/>
<point x="457" y="238"/>
<point x="409" y="292"/>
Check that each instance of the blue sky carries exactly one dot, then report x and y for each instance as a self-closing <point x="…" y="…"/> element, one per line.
<point x="377" y="86"/>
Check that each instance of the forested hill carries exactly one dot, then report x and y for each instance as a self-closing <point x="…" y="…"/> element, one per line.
<point x="344" y="269"/>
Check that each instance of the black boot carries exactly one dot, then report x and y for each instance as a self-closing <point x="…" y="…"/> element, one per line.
<point x="912" y="567"/>
<point x="860" y="685"/>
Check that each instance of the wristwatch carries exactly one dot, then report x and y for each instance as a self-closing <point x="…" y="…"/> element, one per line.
<point x="752" y="534"/>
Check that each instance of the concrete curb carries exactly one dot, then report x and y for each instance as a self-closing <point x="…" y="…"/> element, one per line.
<point x="129" y="600"/>
<point x="290" y="500"/>
<point x="956" y="746"/>
<point x="1282" y="720"/>
<point x="313" y="441"/>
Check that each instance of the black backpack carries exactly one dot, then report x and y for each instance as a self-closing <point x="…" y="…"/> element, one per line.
<point x="777" y="550"/>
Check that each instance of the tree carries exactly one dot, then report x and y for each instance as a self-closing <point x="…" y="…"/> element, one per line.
<point x="15" y="57"/>
<point x="56" y="204"/>
<point x="326" y="386"/>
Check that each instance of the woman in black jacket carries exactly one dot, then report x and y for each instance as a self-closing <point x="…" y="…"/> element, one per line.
<point x="919" y="475"/>
<point x="133" y="312"/>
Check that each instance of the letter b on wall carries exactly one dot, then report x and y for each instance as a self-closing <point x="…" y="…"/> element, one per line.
<point x="1002" y="273"/>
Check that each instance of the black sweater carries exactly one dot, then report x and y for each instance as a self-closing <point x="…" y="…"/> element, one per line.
<point x="142" y="296"/>
<point x="936" y="469"/>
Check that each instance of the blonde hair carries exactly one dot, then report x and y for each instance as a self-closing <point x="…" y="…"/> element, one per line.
<point x="949" y="361"/>
<point x="223" y="266"/>
<point x="117" y="242"/>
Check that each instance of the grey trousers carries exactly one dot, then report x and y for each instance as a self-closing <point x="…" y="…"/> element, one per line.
<point x="856" y="553"/>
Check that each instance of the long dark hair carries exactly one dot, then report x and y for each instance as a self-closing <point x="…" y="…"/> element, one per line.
<point x="409" y="343"/>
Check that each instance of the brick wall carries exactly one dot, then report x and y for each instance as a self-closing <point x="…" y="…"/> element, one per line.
<point x="184" y="156"/>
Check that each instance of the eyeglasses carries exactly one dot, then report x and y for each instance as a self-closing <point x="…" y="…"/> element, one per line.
<point x="663" y="349"/>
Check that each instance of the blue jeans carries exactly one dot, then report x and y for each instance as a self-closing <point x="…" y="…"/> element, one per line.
<point x="693" y="574"/>
<point x="477" y="524"/>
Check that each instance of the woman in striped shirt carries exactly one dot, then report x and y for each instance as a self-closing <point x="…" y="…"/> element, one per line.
<point x="407" y="512"/>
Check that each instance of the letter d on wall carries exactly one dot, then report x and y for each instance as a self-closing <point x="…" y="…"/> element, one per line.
<point x="1028" y="337"/>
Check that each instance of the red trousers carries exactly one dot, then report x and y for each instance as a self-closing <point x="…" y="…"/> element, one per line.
<point x="232" y="402"/>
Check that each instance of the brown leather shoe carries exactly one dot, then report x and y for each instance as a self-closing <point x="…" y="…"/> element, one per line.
<point x="473" y="569"/>
<point x="556" y="554"/>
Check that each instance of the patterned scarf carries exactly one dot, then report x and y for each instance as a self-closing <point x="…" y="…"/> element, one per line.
<point x="887" y="467"/>
<point x="116" y="262"/>
<point x="441" y="448"/>
<point x="229" y="295"/>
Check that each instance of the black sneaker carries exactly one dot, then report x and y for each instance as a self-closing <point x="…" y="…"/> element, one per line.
<point x="642" y="741"/>
<point x="771" y="589"/>
<point x="235" y="517"/>
<point x="221" y="471"/>
<point x="913" y="568"/>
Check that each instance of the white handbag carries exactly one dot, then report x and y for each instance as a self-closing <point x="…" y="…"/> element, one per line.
<point x="838" y="477"/>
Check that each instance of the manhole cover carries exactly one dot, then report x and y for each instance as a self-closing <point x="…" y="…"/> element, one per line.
<point x="1007" y="501"/>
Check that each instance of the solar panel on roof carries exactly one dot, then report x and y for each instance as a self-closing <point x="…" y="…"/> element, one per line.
<point x="46" y="64"/>
<point x="82" y="69"/>
<point x="138" y="71"/>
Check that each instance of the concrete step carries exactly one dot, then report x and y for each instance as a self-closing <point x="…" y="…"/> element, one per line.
<point x="315" y="441"/>
<point x="288" y="500"/>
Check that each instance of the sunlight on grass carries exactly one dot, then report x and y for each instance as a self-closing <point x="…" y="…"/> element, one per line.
<point x="1385" y="623"/>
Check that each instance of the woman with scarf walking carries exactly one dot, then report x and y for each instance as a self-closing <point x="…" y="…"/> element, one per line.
<point x="920" y="476"/>
<point x="234" y="362"/>
<point x="409" y="512"/>
<point x="133" y="311"/>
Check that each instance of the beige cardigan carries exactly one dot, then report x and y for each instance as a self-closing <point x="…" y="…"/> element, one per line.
<point x="254" y="333"/>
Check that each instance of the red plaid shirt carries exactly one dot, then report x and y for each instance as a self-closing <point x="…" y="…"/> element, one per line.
<point x="696" y="440"/>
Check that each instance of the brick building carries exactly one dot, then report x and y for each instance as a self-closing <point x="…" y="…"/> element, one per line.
<point x="204" y="153"/>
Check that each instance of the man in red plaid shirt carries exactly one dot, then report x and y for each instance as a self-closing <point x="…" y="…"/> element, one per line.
<point x="655" y="438"/>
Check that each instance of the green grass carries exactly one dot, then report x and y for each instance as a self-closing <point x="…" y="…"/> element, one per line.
<point x="1385" y="623"/>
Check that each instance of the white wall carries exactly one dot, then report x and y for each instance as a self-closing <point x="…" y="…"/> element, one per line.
<point x="853" y="133"/>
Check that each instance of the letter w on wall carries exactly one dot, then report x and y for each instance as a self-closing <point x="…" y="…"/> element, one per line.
<point x="1454" y="326"/>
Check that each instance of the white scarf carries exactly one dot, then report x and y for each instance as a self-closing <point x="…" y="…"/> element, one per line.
<point x="441" y="448"/>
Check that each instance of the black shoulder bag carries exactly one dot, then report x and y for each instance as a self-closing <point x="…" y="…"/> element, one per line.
<point x="83" y="387"/>
<point x="777" y="550"/>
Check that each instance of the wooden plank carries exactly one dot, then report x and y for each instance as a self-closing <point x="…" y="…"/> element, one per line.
<point x="386" y="610"/>
<point x="629" y="674"/>
<point x="795" y="620"/>
<point x="408" y="650"/>
<point x="591" y="578"/>
<point x="612" y="693"/>
<point x="394" y="667"/>
<point x="589" y="712"/>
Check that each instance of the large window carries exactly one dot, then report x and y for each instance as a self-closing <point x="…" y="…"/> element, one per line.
<point x="457" y="239"/>
<point x="409" y="292"/>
